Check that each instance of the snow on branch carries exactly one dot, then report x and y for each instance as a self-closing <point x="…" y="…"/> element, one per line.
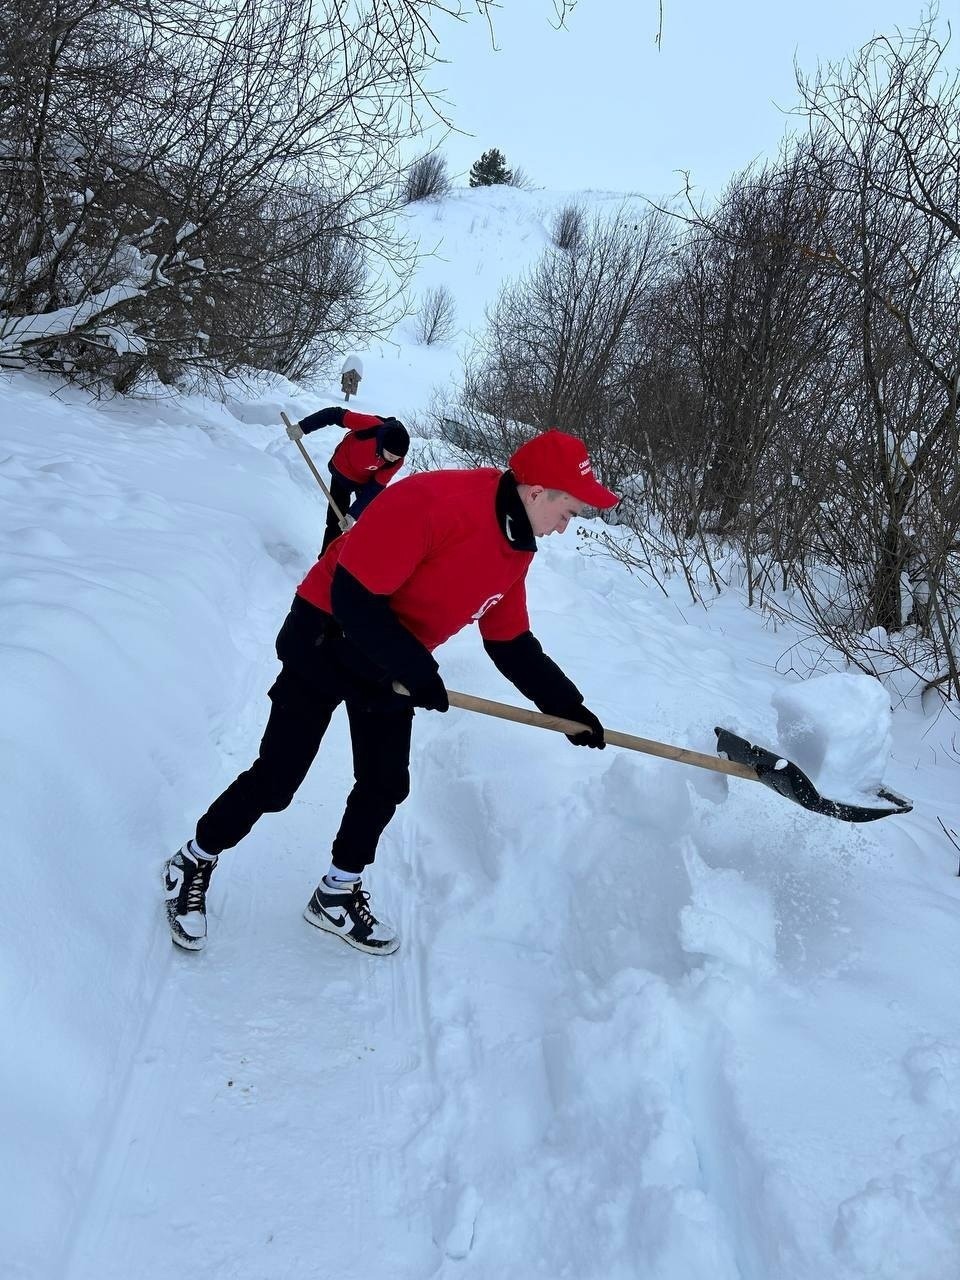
<point x="21" y="331"/>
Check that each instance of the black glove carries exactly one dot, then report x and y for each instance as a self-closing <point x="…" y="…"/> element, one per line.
<point x="592" y="736"/>
<point x="431" y="694"/>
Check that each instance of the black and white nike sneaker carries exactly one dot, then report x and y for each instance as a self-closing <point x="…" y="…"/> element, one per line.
<point x="346" y="913"/>
<point x="186" y="879"/>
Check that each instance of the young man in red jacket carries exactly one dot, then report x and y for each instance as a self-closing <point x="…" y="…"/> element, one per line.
<point x="436" y="552"/>
<point x="363" y="463"/>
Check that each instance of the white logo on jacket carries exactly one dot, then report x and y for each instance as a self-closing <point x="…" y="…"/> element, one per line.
<point x="487" y="604"/>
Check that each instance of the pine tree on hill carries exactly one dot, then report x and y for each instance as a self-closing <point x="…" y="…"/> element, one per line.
<point x="490" y="170"/>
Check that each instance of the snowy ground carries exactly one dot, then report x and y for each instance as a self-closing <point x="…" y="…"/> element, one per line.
<point x="643" y="1023"/>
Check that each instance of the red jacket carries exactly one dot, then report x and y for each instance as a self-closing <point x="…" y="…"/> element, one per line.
<point x="432" y="545"/>
<point x="358" y="460"/>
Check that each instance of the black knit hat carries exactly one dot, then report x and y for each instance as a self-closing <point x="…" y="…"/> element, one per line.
<point x="394" y="438"/>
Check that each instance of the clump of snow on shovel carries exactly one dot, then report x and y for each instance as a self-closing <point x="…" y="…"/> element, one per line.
<point x="837" y="728"/>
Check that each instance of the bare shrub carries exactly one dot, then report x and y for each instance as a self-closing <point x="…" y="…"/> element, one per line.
<point x="437" y="316"/>
<point x="426" y="179"/>
<point x="520" y="179"/>
<point x="569" y="228"/>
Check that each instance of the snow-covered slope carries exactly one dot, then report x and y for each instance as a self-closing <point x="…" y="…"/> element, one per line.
<point x="643" y="1023"/>
<point x="470" y="243"/>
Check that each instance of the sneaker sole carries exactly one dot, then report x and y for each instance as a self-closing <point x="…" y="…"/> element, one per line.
<point x="187" y="944"/>
<point x="386" y="949"/>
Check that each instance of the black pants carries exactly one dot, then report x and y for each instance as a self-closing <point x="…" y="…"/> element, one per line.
<point x="342" y="491"/>
<point x="317" y="675"/>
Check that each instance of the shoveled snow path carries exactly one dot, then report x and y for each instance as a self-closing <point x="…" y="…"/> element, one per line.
<point x="292" y="1103"/>
<point x="511" y="1085"/>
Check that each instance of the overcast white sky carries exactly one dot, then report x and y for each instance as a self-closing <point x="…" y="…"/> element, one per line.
<point x="597" y="106"/>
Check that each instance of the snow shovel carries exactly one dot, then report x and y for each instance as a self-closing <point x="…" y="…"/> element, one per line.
<point x="341" y="518"/>
<point x="735" y="756"/>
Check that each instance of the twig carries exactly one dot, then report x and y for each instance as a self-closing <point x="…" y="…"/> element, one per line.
<point x="952" y="837"/>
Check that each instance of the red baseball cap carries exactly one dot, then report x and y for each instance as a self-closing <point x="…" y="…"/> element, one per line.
<point x="558" y="461"/>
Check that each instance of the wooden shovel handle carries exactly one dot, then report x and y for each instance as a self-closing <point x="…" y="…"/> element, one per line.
<point x="648" y="746"/>
<point x="316" y="475"/>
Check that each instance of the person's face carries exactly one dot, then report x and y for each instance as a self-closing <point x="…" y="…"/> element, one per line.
<point x="390" y="457"/>
<point x="550" y="511"/>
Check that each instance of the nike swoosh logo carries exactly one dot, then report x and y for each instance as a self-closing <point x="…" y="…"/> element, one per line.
<point x="344" y="918"/>
<point x="173" y="882"/>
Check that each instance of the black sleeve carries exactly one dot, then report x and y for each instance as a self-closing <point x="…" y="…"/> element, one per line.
<point x="538" y="677"/>
<point x="332" y="417"/>
<point x="374" y="629"/>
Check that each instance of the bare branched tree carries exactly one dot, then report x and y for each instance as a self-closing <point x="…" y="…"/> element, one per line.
<point x="559" y="344"/>
<point x="148" y="154"/>
<point x="885" y="131"/>
<point x="797" y="379"/>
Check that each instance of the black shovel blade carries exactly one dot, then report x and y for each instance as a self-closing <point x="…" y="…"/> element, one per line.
<point x="789" y="781"/>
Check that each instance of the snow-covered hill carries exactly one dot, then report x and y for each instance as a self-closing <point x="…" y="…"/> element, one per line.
<point x="643" y="1023"/>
